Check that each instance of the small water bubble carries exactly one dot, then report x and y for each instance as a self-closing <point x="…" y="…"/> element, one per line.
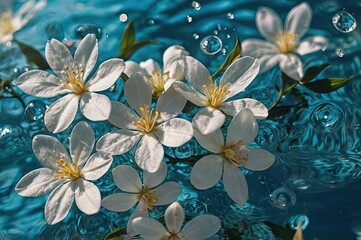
<point x="228" y="36"/>
<point x="82" y="30"/>
<point x="34" y="111"/>
<point x="80" y="7"/>
<point x="196" y="5"/>
<point x="195" y="36"/>
<point x="189" y="18"/>
<point x="230" y="15"/>
<point x="151" y="21"/>
<point x="211" y="45"/>
<point x="283" y="197"/>
<point x="344" y="22"/>
<point x="123" y="17"/>
<point x="294" y="221"/>
<point x="194" y="207"/>
<point x="219" y="27"/>
<point x="357" y="126"/>
<point x="83" y="231"/>
<point x="215" y="32"/>
<point x="54" y="30"/>
<point x="9" y="43"/>
<point x="224" y="51"/>
<point x="326" y="117"/>
<point x="339" y="52"/>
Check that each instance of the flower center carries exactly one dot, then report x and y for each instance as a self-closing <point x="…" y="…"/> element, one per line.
<point x="67" y="171"/>
<point x="148" y="118"/>
<point x="285" y="41"/>
<point x="173" y="236"/>
<point x="148" y="197"/>
<point x="73" y="79"/>
<point x="230" y="153"/>
<point x="157" y="81"/>
<point x="216" y="94"/>
<point x="6" y="23"/>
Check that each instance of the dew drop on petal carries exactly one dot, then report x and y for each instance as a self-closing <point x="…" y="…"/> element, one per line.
<point x="294" y="221"/>
<point x="54" y="30"/>
<point x="230" y="15"/>
<point x="195" y="36"/>
<point x="34" y="111"/>
<point x="211" y="45"/>
<point x="82" y="30"/>
<point x="339" y="52"/>
<point x="344" y="22"/>
<point x="196" y="5"/>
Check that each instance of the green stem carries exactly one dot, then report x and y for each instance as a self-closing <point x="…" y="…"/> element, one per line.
<point x="280" y="94"/>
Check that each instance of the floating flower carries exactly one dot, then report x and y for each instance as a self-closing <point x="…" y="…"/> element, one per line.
<point x="146" y="126"/>
<point x="147" y="195"/>
<point x="213" y="96"/>
<point x="201" y="227"/>
<point x="72" y="74"/>
<point x="11" y="23"/>
<point x="230" y="155"/>
<point x="66" y="177"/>
<point x="283" y="44"/>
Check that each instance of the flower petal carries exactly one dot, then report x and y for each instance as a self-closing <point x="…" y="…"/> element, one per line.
<point x="149" y="229"/>
<point x="201" y="227"/>
<point x="48" y="150"/>
<point x="87" y="196"/>
<point x="41" y="84"/>
<point x="95" y="107"/>
<point x="150" y="66"/>
<point x="298" y="20"/>
<point x="140" y="211"/>
<point x="243" y="128"/>
<point x="207" y="172"/>
<point x="59" y="203"/>
<point x="61" y="113"/>
<point x="26" y="12"/>
<point x="268" y="23"/>
<point x="97" y="165"/>
<point x="151" y="180"/>
<point x="240" y="74"/>
<point x="37" y="183"/>
<point x="167" y="193"/>
<point x="173" y="54"/>
<point x="312" y="44"/>
<point x="208" y="120"/>
<point x="106" y="75"/>
<point x="58" y="56"/>
<point x="231" y="108"/>
<point x="121" y="116"/>
<point x="259" y="159"/>
<point x="235" y="183"/>
<point x="86" y="54"/>
<point x="174" y="217"/>
<point x="196" y="73"/>
<point x="213" y="142"/>
<point x="257" y="48"/>
<point x="175" y="132"/>
<point x="170" y="104"/>
<point x="138" y="91"/>
<point x="149" y="153"/>
<point x="176" y="71"/>
<point x="133" y="67"/>
<point x="189" y="93"/>
<point x="292" y="66"/>
<point x="120" y="202"/>
<point x="269" y="61"/>
<point x="127" y="179"/>
<point x="81" y="143"/>
<point x="118" y="142"/>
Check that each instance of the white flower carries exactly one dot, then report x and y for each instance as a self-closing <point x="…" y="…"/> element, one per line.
<point x="147" y="127"/>
<point x="11" y="23"/>
<point x="230" y="155"/>
<point x="66" y="177"/>
<point x="147" y="195"/>
<point x="72" y="74"/>
<point x="201" y="227"/>
<point x="213" y="97"/>
<point x="283" y="43"/>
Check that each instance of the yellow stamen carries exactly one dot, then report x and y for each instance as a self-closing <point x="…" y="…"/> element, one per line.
<point x="6" y="23"/>
<point x="148" y="197"/>
<point x="148" y="119"/>
<point x="285" y="41"/>
<point x="229" y="153"/>
<point x="67" y="171"/>
<point x="216" y="94"/>
<point x="157" y="81"/>
<point x="73" y="79"/>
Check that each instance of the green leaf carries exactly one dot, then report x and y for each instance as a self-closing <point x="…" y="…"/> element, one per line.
<point x="131" y="49"/>
<point x="128" y="37"/>
<point x="312" y="72"/>
<point x="280" y="231"/>
<point x="33" y="56"/>
<point x="288" y="79"/>
<point x="232" y="56"/>
<point x="327" y="85"/>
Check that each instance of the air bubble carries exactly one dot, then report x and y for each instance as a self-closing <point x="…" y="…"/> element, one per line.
<point x="230" y="15"/>
<point x="339" y="52"/>
<point x="82" y="30"/>
<point x="151" y="21"/>
<point x="228" y="36"/>
<point x="215" y="32"/>
<point x="211" y="45"/>
<point x="283" y="198"/>
<point x="196" y="5"/>
<point x="189" y="18"/>
<point x="195" y="36"/>
<point x="344" y="22"/>
<point x="34" y="111"/>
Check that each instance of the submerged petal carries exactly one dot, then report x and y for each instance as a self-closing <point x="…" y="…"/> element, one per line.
<point x="207" y="172"/>
<point x="95" y="107"/>
<point x="87" y="196"/>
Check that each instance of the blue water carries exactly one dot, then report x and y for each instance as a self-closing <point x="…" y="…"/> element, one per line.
<point x="317" y="143"/>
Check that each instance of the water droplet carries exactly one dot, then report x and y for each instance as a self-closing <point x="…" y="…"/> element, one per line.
<point x="189" y="18"/>
<point x="283" y="197"/>
<point x="344" y="22"/>
<point x="83" y="231"/>
<point x="195" y="36"/>
<point x="34" y="111"/>
<point x="211" y="45"/>
<point x="339" y="52"/>
<point x="294" y="220"/>
<point x="215" y="32"/>
<point x="82" y="30"/>
<point x="228" y="36"/>
<point x="219" y="27"/>
<point x="193" y="207"/>
<point x="12" y="107"/>
<point x="123" y="17"/>
<point x="357" y="126"/>
<point x="196" y="5"/>
<point x="54" y="30"/>
<point x="326" y="117"/>
<point x="224" y="51"/>
<point x="9" y="131"/>
<point x="230" y="15"/>
<point x="9" y="43"/>
<point x="151" y="21"/>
